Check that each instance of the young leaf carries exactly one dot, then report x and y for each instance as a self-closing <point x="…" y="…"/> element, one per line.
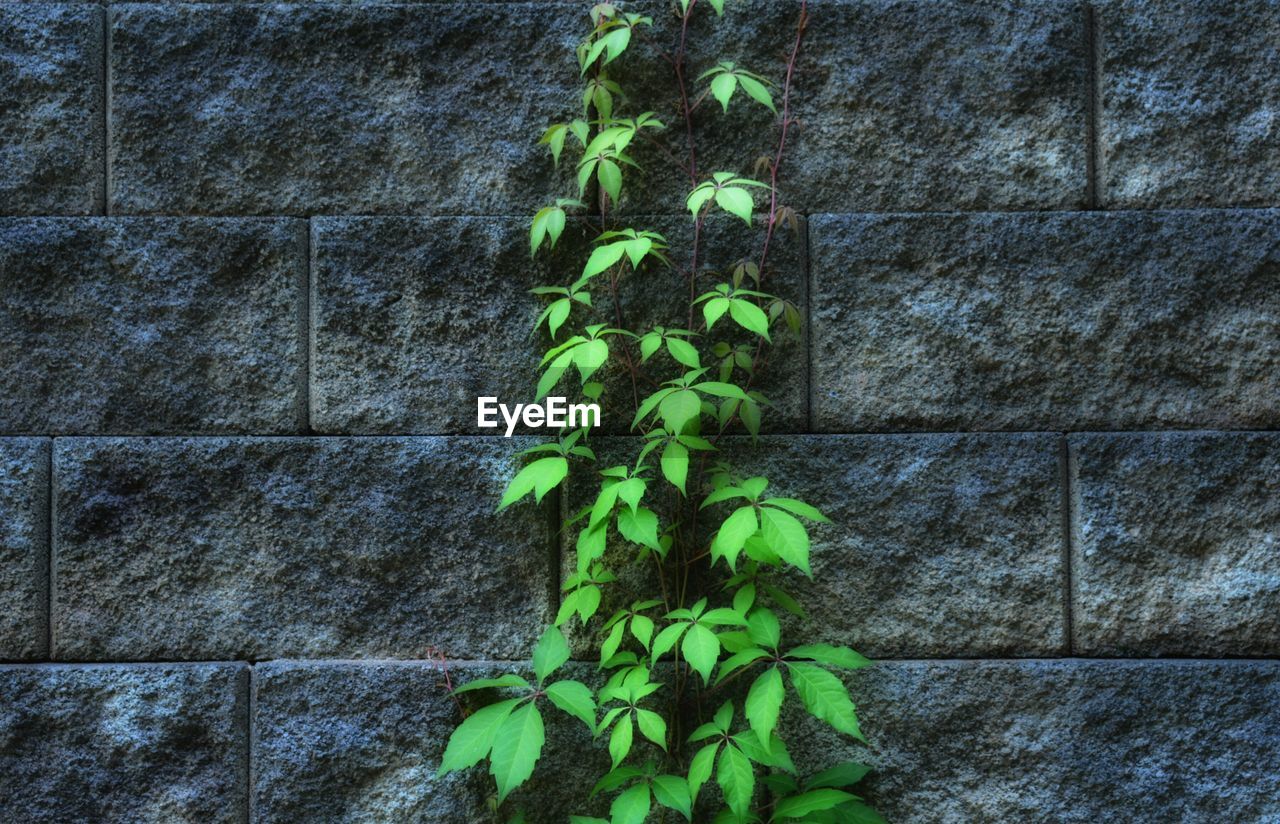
<point x="733" y="534"/>
<point x="684" y="353"/>
<point x="799" y="806"/>
<point x="675" y="465"/>
<point x="516" y="749"/>
<point x="722" y="88"/>
<point x="473" y="739"/>
<point x="830" y="655"/>
<point x="735" y="201"/>
<point x="787" y="537"/>
<point x="539" y="477"/>
<point x="631" y="806"/>
<point x="825" y="698"/>
<point x="672" y="791"/>
<point x="574" y="698"/>
<point x="764" y="702"/>
<point x="737" y="780"/>
<point x="678" y="408"/>
<point x="620" y="740"/>
<point x="492" y="683"/>
<point x="750" y="317"/>
<point x="701" y="649"/>
<point x="640" y="527"/>
<point x="550" y="653"/>
<point x="652" y="726"/>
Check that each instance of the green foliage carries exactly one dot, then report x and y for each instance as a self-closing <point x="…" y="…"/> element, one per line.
<point x="708" y="642"/>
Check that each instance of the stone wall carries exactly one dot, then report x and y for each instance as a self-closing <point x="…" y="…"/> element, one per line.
<point x="256" y="262"/>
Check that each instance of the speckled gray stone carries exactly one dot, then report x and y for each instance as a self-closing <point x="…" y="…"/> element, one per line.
<point x="151" y="325"/>
<point x="1177" y="544"/>
<point x="415" y="318"/>
<point x="24" y="547"/>
<point x="51" y="102"/>
<point x="362" y="743"/>
<point x="942" y="545"/>
<point x="124" y="742"/>
<point x="338" y="108"/>
<point x="942" y="105"/>
<point x="1187" y="103"/>
<point x="1064" y="741"/>
<point x="216" y="548"/>
<point x="1046" y="321"/>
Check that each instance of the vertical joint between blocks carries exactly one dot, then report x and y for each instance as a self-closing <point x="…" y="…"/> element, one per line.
<point x="1093" y="175"/>
<point x="1069" y="518"/>
<point x="306" y="331"/>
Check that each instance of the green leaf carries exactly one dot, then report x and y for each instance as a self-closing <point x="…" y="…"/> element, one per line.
<point x="701" y="649"/>
<point x="735" y="201"/>
<point x="764" y="702"/>
<point x="492" y="683"/>
<point x="733" y="534"/>
<point x="539" y="477"/>
<point x="800" y="508"/>
<point x="473" y="739"/>
<point x="550" y="653"/>
<point x="557" y="314"/>
<point x="642" y="629"/>
<point x="590" y="356"/>
<point x="667" y="639"/>
<point x="684" y="353"/>
<point x="824" y="696"/>
<point x="516" y="749"/>
<point x="762" y="626"/>
<point x="610" y="176"/>
<point x="602" y="258"/>
<point x="750" y="317"/>
<point x="801" y="805"/>
<point x="699" y="197"/>
<point x="714" y="309"/>
<point x="757" y="91"/>
<point x="631" y="806"/>
<point x="675" y="465"/>
<point x="737" y="780"/>
<point x="700" y="768"/>
<point x="787" y="537"/>
<point x="652" y="726"/>
<point x="678" y="408"/>
<point x="640" y="527"/>
<point x="672" y="791"/>
<point x="739" y="660"/>
<point x="722" y="88"/>
<point x="574" y="698"/>
<point x="831" y="655"/>
<point x="620" y="740"/>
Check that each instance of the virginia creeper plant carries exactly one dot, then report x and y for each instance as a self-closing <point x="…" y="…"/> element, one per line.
<point x="694" y="675"/>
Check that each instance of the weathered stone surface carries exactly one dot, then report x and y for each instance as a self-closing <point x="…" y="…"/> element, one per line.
<point x="1177" y="545"/>
<point x="346" y="108"/>
<point x="217" y="548"/>
<point x="124" y="742"/>
<point x="24" y="547"/>
<point x="1069" y="741"/>
<point x="1054" y="321"/>
<point x="1188" y="99"/>
<point x="414" y="318"/>
<point x="51" y="102"/>
<point x="941" y="545"/>
<point x="151" y="325"/>
<point x="362" y="743"/>
<point x="943" y="105"/>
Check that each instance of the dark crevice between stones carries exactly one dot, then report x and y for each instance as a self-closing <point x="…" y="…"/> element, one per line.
<point x="251" y="707"/>
<point x="1092" y="111"/>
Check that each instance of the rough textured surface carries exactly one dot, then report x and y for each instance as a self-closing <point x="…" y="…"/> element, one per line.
<point x="1060" y="321"/>
<point x="151" y="325"/>
<point x="362" y="743"/>
<point x="415" y="318"/>
<point x="1188" y="102"/>
<point x="258" y="548"/>
<point x="942" y="105"/>
<point x="1065" y="741"/>
<point x="347" y="108"/>
<point x="942" y="545"/>
<point x="121" y="742"/>
<point x="24" y="547"/>
<point x="1177" y="550"/>
<point x="51" y="101"/>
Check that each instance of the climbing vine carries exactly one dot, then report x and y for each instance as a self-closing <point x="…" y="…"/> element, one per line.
<point x="694" y="676"/>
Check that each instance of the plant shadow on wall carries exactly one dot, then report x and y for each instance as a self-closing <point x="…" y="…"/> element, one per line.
<point x="694" y="675"/>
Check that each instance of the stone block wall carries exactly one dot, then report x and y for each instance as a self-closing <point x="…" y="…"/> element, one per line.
<point x="256" y="262"/>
